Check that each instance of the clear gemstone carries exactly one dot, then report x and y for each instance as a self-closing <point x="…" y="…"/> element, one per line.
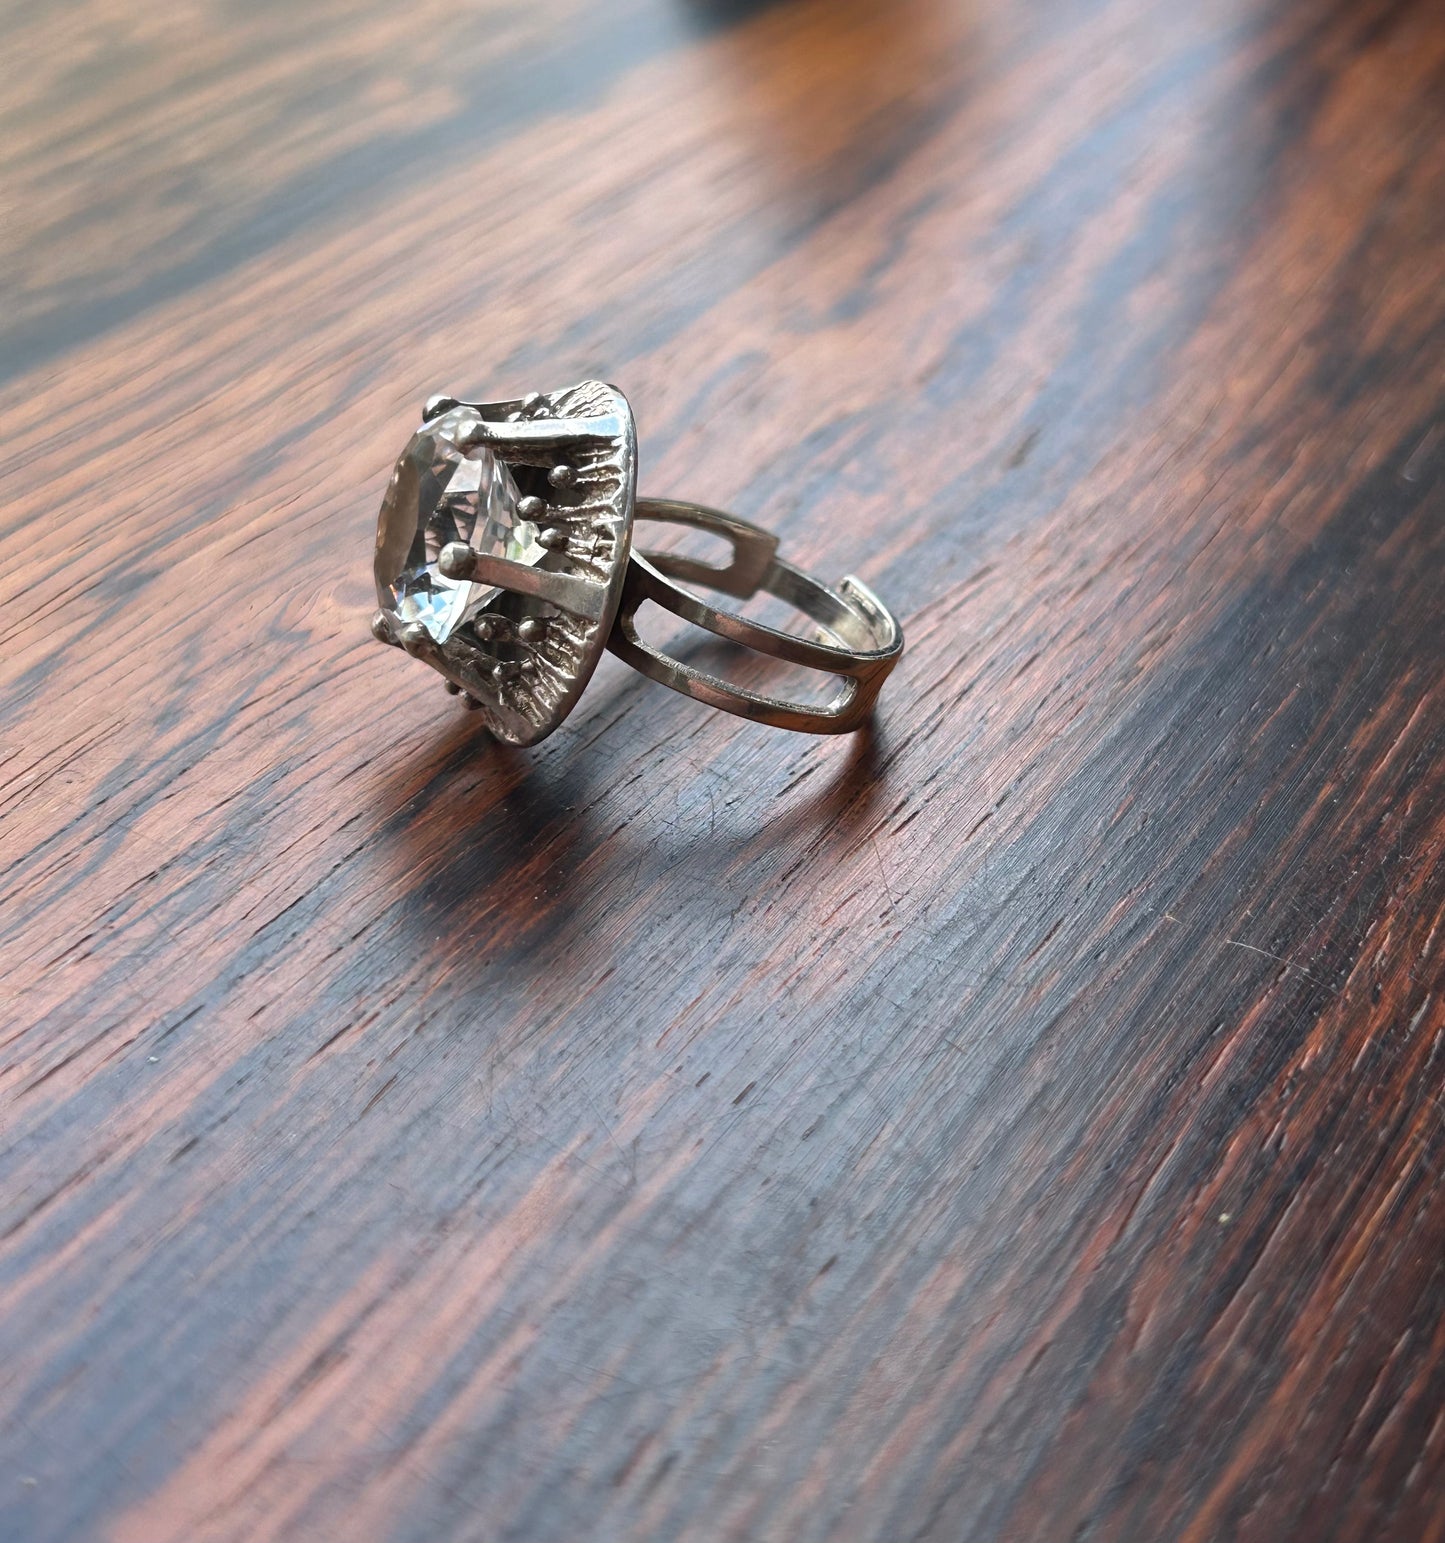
<point x="441" y="492"/>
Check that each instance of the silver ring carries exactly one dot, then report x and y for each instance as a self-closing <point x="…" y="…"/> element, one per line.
<point x="505" y="560"/>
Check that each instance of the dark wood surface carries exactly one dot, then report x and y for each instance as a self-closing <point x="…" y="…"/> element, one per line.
<point x="1024" y="1122"/>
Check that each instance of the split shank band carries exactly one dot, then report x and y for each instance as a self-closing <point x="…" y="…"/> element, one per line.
<point x="868" y="639"/>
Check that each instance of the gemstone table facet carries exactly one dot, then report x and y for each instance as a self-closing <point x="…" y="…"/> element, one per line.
<point x="443" y="491"/>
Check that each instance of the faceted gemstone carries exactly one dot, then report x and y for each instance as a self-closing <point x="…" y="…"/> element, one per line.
<point x="441" y="492"/>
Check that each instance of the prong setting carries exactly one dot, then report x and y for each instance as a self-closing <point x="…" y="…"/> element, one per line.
<point x="457" y="560"/>
<point x="524" y="566"/>
<point x="472" y="432"/>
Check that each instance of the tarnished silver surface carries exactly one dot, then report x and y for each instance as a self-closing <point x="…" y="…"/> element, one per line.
<point x="524" y="659"/>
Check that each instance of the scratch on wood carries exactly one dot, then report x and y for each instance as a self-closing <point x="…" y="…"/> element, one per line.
<point x="1278" y="958"/>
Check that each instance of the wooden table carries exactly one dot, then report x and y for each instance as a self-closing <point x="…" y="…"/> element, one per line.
<point x="1023" y="1122"/>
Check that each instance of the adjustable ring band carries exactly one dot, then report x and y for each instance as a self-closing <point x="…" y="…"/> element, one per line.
<point x="867" y="639"/>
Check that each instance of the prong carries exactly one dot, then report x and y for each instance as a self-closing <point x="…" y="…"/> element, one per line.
<point x="488" y="627"/>
<point x="452" y="688"/>
<point x="567" y="591"/>
<point x="531" y="402"/>
<point x="554" y="538"/>
<point x="531" y="508"/>
<point x="546" y="433"/>
<point x="562" y="476"/>
<point x="472" y="704"/>
<point x="437" y="405"/>
<point x="531" y="629"/>
<point x="457" y="560"/>
<point x="381" y="628"/>
<point x="472" y="432"/>
<point x="416" y="640"/>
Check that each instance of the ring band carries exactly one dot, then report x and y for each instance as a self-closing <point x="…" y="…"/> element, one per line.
<point x="505" y="560"/>
<point x="867" y="642"/>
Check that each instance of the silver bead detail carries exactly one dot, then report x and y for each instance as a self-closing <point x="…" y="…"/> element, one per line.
<point x="554" y="538"/>
<point x="437" y="405"/>
<point x="415" y="639"/>
<point x="456" y="560"/>
<point x="562" y="476"/>
<point x="531" y="629"/>
<point x="531" y="508"/>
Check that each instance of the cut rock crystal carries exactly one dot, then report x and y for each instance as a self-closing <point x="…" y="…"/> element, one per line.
<point x="440" y="492"/>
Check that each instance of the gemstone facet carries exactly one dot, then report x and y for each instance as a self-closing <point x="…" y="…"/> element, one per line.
<point x="445" y="490"/>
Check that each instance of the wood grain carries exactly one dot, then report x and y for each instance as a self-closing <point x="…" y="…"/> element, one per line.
<point x="1023" y="1122"/>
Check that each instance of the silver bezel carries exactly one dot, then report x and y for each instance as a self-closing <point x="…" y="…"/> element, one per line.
<point x="524" y="660"/>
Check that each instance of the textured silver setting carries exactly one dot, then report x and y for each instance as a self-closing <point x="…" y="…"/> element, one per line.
<point x="526" y="657"/>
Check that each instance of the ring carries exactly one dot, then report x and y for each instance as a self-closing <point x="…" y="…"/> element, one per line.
<point x="505" y="560"/>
